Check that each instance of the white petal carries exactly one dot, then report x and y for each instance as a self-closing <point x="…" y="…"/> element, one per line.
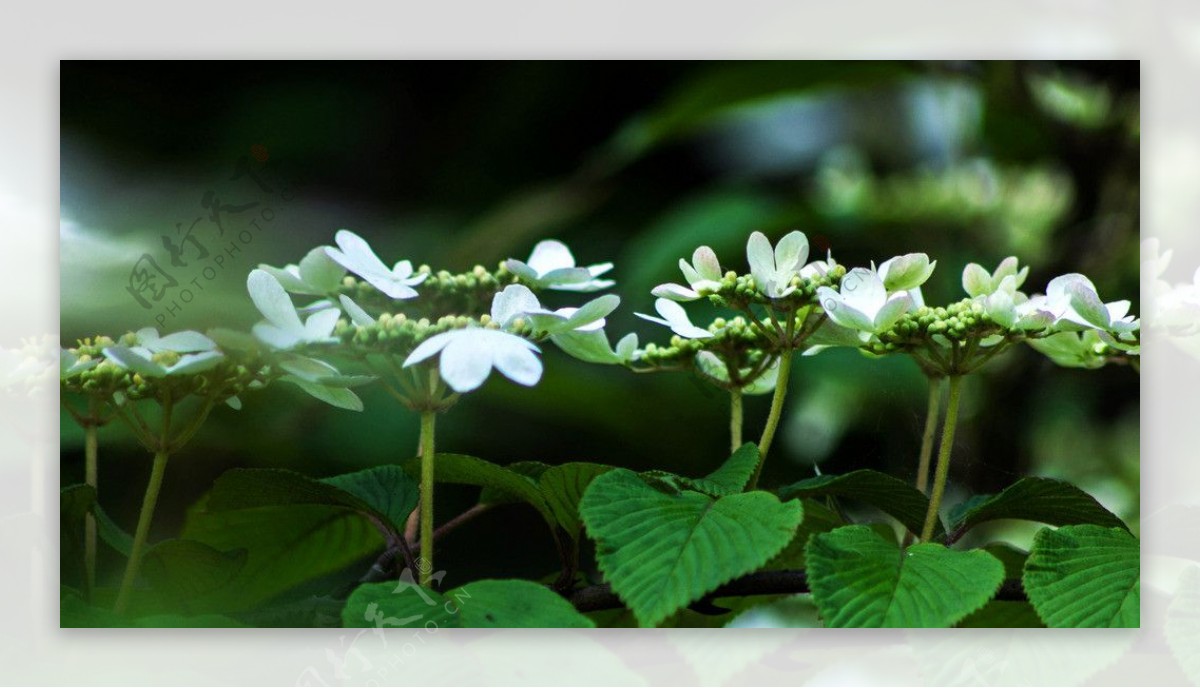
<point x="391" y="286"/>
<point x="196" y="363"/>
<point x="976" y="281"/>
<point x="273" y="302"/>
<point x="402" y="269"/>
<point x="689" y="273"/>
<point x="896" y="306"/>
<point x="320" y="325"/>
<point x="357" y="315"/>
<point x="842" y="313"/>
<point x="590" y="285"/>
<point x="761" y="259"/>
<point x="147" y="336"/>
<point x="184" y="342"/>
<point x="550" y="255"/>
<point x="467" y="360"/>
<point x="627" y="345"/>
<point x="565" y="276"/>
<point x="1117" y="309"/>
<point x="592" y="311"/>
<point x="430" y="347"/>
<point x="320" y="273"/>
<point x="288" y="277"/>
<point x="598" y="269"/>
<point x="134" y="361"/>
<point x="790" y="253"/>
<point x="276" y="337"/>
<point x="518" y="363"/>
<point x="520" y="269"/>
<point x="706" y="263"/>
<point x="863" y="291"/>
<point x="357" y="254"/>
<point x="674" y="292"/>
<point x="514" y="301"/>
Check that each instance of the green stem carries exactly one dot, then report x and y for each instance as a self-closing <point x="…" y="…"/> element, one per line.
<point x="425" y="564"/>
<point x="931" y="419"/>
<point x="735" y="419"/>
<point x="143" y="530"/>
<point x="781" y="385"/>
<point x="943" y="463"/>
<point x="90" y="452"/>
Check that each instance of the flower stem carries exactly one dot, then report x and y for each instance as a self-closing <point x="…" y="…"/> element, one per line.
<point x="425" y="563"/>
<point x="90" y="452"/>
<point x="943" y="463"/>
<point x="143" y="530"/>
<point x="781" y="385"/>
<point x="735" y="419"/>
<point x="931" y="419"/>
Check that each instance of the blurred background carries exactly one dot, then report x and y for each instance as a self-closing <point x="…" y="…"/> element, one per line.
<point x="454" y="164"/>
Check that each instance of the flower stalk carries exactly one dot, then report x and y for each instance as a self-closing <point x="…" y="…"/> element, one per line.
<point x="143" y="530"/>
<point x="735" y="419"/>
<point x="425" y="563"/>
<point x="943" y="462"/>
<point x="781" y="385"/>
<point x="90" y="473"/>
<point x="931" y="419"/>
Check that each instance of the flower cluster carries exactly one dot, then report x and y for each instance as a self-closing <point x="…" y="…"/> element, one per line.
<point x="394" y="320"/>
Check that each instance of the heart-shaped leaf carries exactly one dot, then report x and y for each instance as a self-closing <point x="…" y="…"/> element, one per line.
<point x="662" y="551"/>
<point x="1054" y="502"/>
<point x="862" y="580"/>
<point x="482" y="604"/>
<point x="1084" y="577"/>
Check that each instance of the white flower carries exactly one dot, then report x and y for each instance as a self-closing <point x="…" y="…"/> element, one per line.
<point x="1072" y="349"/>
<point x="357" y="315"/>
<point x="518" y="301"/>
<point x="1011" y="309"/>
<point x="317" y="274"/>
<point x="1074" y="301"/>
<point x="198" y="353"/>
<point x="283" y="329"/>
<point x="69" y="364"/>
<point x="141" y="360"/>
<point x="674" y="317"/>
<point x="702" y="274"/>
<point x="355" y="255"/>
<point x="862" y="303"/>
<point x="977" y="281"/>
<point x="185" y="342"/>
<point x="552" y="266"/>
<point x="907" y="272"/>
<point x="468" y="356"/>
<point x="773" y="270"/>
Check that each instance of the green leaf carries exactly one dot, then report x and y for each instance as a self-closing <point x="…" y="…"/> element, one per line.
<point x="514" y="604"/>
<point x="295" y="528"/>
<point x="1012" y="558"/>
<point x="888" y="494"/>
<point x="468" y="470"/>
<point x="111" y="533"/>
<point x="1054" y="502"/>
<point x="334" y="396"/>
<point x="661" y="552"/>
<point x="732" y="476"/>
<point x="818" y="518"/>
<point x="387" y="490"/>
<point x="529" y="469"/>
<point x="563" y="487"/>
<point x="183" y="572"/>
<point x="862" y="580"/>
<point x="482" y="604"/>
<point x="1084" y="576"/>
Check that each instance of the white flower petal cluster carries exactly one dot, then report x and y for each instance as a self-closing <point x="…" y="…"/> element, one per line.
<point x="468" y="356"/>
<point x="774" y="269"/>
<point x="703" y="274"/>
<point x="977" y="281"/>
<point x="907" y="272"/>
<point x="676" y="318"/>
<point x="195" y="353"/>
<point x="283" y="328"/>
<point x="355" y="254"/>
<point x="552" y="266"/>
<point x="70" y="364"/>
<point x="862" y="302"/>
<point x="316" y="275"/>
<point x="517" y="301"/>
